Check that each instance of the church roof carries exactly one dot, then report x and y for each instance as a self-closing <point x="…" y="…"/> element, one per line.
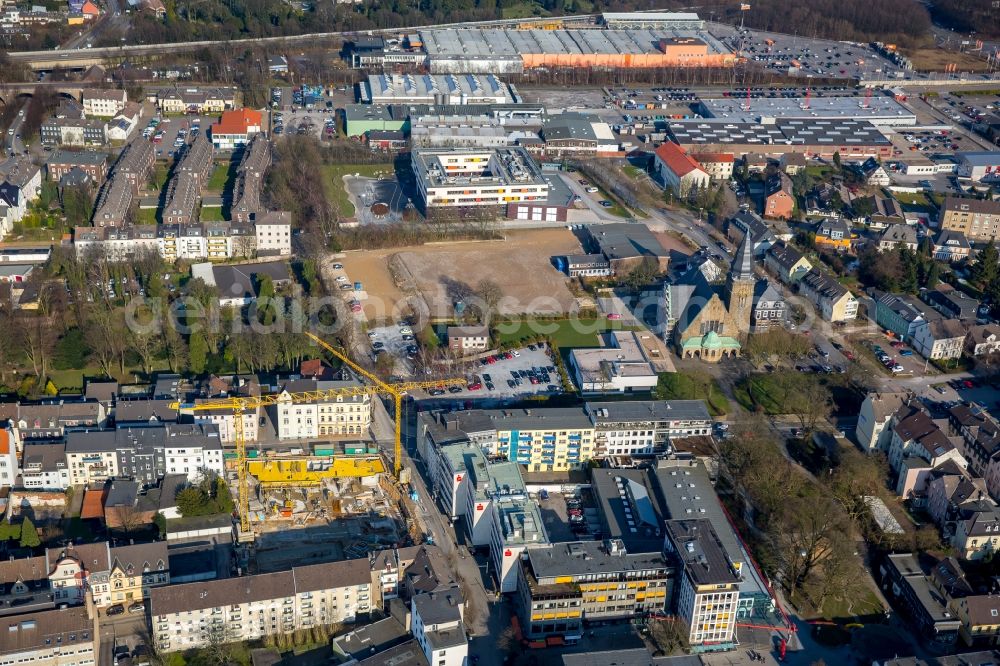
<point x="742" y="268"/>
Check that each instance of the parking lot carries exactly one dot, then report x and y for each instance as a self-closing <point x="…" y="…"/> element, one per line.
<point x="567" y="517"/>
<point x="900" y="354"/>
<point x="497" y="380"/>
<point x="290" y="116"/>
<point x="170" y="126"/>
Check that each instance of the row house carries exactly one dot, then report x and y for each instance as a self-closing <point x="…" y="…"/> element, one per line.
<point x="145" y="454"/>
<point x="116" y="243"/>
<point x="51" y="419"/>
<point x="196" y="100"/>
<point x="406" y="572"/>
<point x="56" y="637"/>
<point x="104" y="103"/>
<point x="249" y="183"/>
<point x="982" y="340"/>
<point x="834" y="301"/>
<point x="248" y="608"/>
<point x="43" y="466"/>
<point x="787" y="263"/>
<point x="340" y="416"/>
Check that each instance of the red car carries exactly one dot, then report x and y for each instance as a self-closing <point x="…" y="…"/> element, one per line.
<point x="508" y="355"/>
<point x="614" y="315"/>
<point x="967" y="384"/>
<point x="849" y="355"/>
<point x="474" y="387"/>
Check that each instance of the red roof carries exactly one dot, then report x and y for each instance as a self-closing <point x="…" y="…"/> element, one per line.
<point x="93" y="503"/>
<point x="90" y="8"/>
<point x="676" y="159"/>
<point x="237" y="121"/>
<point x="713" y="157"/>
<point x="4" y="442"/>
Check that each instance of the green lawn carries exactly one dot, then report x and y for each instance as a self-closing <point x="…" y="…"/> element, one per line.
<point x="212" y="214"/>
<point x="219" y="179"/>
<point x="336" y="172"/>
<point x="692" y="386"/>
<point x="566" y="333"/>
<point x="145" y="216"/>
<point x="633" y="172"/>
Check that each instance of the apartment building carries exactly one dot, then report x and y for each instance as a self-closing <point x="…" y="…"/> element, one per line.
<point x="116" y="243"/>
<point x="941" y="339"/>
<point x="50" y="419"/>
<point x="978" y="434"/>
<point x="250" y="179"/>
<point x="902" y="314"/>
<point x="92" y="163"/>
<point x="114" y="202"/>
<point x="562" y="585"/>
<point x="57" y="637"/>
<point x="834" y="301"/>
<point x="69" y="131"/>
<point x="438" y="627"/>
<point x="273" y="233"/>
<point x="516" y="526"/>
<point x="252" y="607"/>
<point x="873" y="430"/>
<point x="144" y="454"/>
<point x="707" y="592"/>
<point x="226" y="421"/>
<point x="645" y="427"/>
<point x="978" y="220"/>
<point x="477" y="177"/>
<point x="917" y="445"/>
<point x="779" y="200"/>
<point x="196" y="100"/>
<point x="913" y="592"/>
<point x="71" y="568"/>
<point x="183" y="200"/>
<point x="10" y="467"/>
<point x="342" y="416"/>
<point x="104" y="103"/>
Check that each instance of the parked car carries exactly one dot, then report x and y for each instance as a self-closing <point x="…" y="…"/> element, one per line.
<point x="116" y="609"/>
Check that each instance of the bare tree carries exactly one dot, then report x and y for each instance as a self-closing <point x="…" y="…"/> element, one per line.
<point x="36" y="338"/>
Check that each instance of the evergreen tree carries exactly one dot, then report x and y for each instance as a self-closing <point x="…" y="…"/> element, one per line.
<point x="29" y="535"/>
<point x="987" y="266"/>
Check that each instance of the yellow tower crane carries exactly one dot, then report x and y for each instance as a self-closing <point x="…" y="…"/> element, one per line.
<point x="241" y="405"/>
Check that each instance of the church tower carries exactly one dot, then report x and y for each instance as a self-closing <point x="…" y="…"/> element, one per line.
<point x="740" y="286"/>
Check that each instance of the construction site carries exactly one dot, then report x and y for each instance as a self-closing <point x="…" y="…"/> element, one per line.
<point x="339" y="500"/>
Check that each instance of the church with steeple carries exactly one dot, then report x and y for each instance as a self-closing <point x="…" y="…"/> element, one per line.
<point x="709" y="321"/>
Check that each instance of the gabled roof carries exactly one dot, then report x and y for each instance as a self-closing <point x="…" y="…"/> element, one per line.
<point x="899" y="233"/>
<point x="678" y="161"/>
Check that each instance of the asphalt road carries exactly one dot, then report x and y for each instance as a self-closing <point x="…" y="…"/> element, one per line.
<point x="12" y="142"/>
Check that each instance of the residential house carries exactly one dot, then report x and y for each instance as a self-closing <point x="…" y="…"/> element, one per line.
<point x="951" y="492"/>
<point x="951" y="302"/>
<point x="273" y="231"/>
<point x="707" y="593"/>
<point x="983" y="340"/>
<point x="20" y="184"/>
<point x="135" y="571"/>
<point x="976" y="219"/>
<point x="905" y="583"/>
<point x="886" y="211"/>
<point x="438" y="627"/>
<point x="787" y="263"/>
<point x="792" y="163"/>
<point x="719" y="166"/>
<point x="124" y="122"/>
<point x="237" y="284"/>
<point x="872" y="173"/>
<point x="769" y="307"/>
<point x="71" y="568"/>
<point x="55" y="637"/>
<point x="951" y="246"/>
<point x="940" y="339"/>
<point x="43" y="467"/>
<point x="761" y="236"/>
<point x="779" y="200"/>
<point x="9" y="465"/>
<point x="51" y="419"/>
<point x="103" y="103"/>
<point x="833" y="300"/>
<point x="252" y="607"/>
<point x="678" y="170"/>
<point x="468" y="339"/>
<point x="902" y="315"/>
<point x="69" y="131"/>
<point x="338" y="416"/>
<point x="980" y="618"/>
<point x="977" y="533"/>
<point x="277" y="64"/>
<point x="196" y="100"/>
<point x="874" y="417"/>
<point x="235" y="128"/>
<point x="247" y="188"/>
<point x="917" y="445"/>
<point x="979" y="442"/>
<point x="756" y="163"/>
<point x="896" y="236"/>
<point x="833" y="233"/>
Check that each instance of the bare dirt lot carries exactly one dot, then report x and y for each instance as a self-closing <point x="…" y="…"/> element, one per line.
<point x="439" y="274"/>
<point x="934" y="60"/>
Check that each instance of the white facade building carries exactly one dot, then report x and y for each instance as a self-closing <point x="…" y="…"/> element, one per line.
<point x="341" y="416"/>
<point x="438" y="627"/>
<point x="103" y="103"/>
<point x="477" y="177"/>
<point x="58" y="637"/>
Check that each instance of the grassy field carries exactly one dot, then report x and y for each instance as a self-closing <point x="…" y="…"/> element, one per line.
<point x="692" y="386"/>
<point x="219" y="179"/>
<point x="633" y="171"/>
<point x="567" y="333"/>
<point x="145" y="216"/>
<point x="212" y="214"/>
<point x="335" y="174"/>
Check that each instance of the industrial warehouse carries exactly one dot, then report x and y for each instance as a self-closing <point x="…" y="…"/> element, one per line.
<point x="441" y="89"/>
<point x="851" y="138"/>
<point x="513" y="51"/>
<point x="880" y="110"/>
